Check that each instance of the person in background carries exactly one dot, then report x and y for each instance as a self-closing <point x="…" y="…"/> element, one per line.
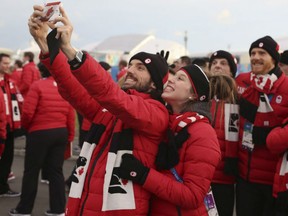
<point x="30" y="73"/>
<point x="17" y="72"/>
<point x="203" y="63"/>
<point x="50" y="122"/>
<point x="3" y="124"/>
<point x="15" y="76"/>
<point x="263" y="106"/>
<point x="283" y="62"/>
<point x="277" y="143"/>
<point x="122" y="66"/>
<point x="12" y="101"/>
<point x="128" y="120"/>
<point x="223" y="62"/>
<point x="180" y="185"/>
<point x="181" y="62"/>
<point x="225" y="121"/>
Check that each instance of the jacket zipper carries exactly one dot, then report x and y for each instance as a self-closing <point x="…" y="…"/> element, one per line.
<point x="94" y="164"/>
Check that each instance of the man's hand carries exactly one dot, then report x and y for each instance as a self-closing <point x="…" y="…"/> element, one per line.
<point x="39" y="29"/>
<point x="64" y="33"/>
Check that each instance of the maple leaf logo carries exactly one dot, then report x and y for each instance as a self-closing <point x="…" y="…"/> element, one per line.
<point x="81" y="171"/>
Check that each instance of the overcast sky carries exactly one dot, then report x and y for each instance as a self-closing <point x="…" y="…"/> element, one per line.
<point x="210" y="24"/>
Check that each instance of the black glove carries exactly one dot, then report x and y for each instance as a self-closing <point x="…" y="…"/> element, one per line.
<point x="132" y="169"/>
<point x="163" y="54"/>
<point x="282" y="203"/>
<point x="231" y="166"/>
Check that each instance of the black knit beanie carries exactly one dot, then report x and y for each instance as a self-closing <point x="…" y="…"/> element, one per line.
<point x="269" y="44"/>
<point x="226" y="55"/>
<point x="156" y="65"/>
<point x="199" y="81"/>
<point x="284" y="57"/>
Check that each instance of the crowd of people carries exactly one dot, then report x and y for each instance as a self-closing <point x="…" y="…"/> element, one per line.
<point x="196" y="137"/>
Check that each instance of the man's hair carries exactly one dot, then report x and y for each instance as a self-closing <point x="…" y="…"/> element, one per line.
<point x="2" y="55"/>
<point x="186" y="60"/>
<point x="201" y="61"/>
<point x="123" y="63"/>
<point x="30" y="55"/>
<point x="43" y="70"/>
<point x="19" y="63"/>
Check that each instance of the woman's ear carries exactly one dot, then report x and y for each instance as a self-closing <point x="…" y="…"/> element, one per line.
<point x="192" y="97"/>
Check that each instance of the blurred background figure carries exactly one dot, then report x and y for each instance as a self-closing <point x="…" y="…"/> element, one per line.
<point x="17" y="72"/>
<point x="283" y="62"/>
<point x="12" y="100"/>
<point x="181" y="62"/>
<point x="203" y="63"/>
<point x="50" y="122"/>
<point x="223" y="62"/>
<point x="122" y="66"/>
<point x="30" y="73"/>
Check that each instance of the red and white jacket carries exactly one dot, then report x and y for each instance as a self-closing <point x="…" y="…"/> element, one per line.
<point x="199" y="156"/>
<point x="229" y="149"/>
<point x="44" y="108"/>
<point x="13" y="102"/>
<point x="277" y="143"/>
<point x="259" y="166"/>
<point x="147" y="117"/>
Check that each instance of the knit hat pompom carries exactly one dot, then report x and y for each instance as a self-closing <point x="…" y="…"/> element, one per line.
<point x="157" y="67"/>
<point x="269" y="44"/>
<point x="199" y="81"/>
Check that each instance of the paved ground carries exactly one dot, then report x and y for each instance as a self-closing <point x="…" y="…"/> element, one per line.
<point x="42" y="201"/>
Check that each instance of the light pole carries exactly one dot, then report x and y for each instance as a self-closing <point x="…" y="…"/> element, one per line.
<point x="185" y="41"/>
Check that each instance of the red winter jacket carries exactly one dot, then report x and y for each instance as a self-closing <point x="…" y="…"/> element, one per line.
<point x="13" y="105"/>
<point x="259" y="166"/>
<point x="277" y="142"/>
<point x="44" y="108"/>
<point x="30" y="74"/>
<point x="199" y="156"/>
<point x="229" y="149"/>
<point x="86" y="124"/>
<point x="16" y="76"/>
<point x="147" y="117"/>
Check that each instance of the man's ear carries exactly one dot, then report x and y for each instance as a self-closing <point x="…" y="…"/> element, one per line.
<point x="152" y="85"/>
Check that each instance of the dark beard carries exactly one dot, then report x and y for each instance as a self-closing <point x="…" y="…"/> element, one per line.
<point x="142" y="88"/>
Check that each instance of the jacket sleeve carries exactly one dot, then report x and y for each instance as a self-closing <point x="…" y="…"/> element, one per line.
<point x="70" y="89"/>
<point x="200" y="155"/>
<point x="136" y="111"/>
<point x="30" y="106"/>
<point x="71" y="124"/>
<point x="277" y="139"/>
<point x="2" y="119"/>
